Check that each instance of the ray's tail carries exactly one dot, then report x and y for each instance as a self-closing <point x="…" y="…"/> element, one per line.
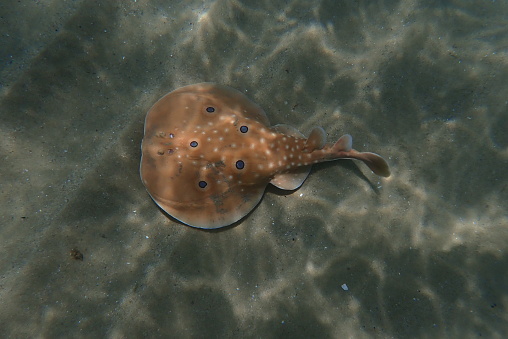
<point x="378" y="165"/>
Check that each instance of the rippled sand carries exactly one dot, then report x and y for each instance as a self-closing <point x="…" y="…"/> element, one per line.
<point x="422" y="253"/>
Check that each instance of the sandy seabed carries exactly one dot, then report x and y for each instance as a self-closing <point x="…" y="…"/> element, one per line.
<point x="424" y="253"/>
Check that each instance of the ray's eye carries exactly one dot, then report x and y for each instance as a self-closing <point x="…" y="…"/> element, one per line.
<point x="244" y="129"/>
<point x="194" y="143"/>
<point x="202" y="184"/>
<point x="210" y="109"/>
<point x="240" y="164"/>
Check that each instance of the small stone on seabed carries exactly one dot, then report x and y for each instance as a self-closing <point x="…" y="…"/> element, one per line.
<point x="344" y="287"/>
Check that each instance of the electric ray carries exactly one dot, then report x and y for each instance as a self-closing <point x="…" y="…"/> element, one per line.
<point x="208" y="154"/>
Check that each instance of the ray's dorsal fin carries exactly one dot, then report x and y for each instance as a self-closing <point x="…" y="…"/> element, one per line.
<point x="344" y="144"/>
<point x="295" y="178"/>
<point x="316" y="139"/>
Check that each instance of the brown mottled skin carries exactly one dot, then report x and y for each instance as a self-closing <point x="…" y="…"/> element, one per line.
<point x="208" y="154"/>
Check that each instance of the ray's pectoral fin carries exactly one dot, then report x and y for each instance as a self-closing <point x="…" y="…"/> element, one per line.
<point x="291" y="180"/>
<point x="375" y="162"/>
<point x="287" y="129"/>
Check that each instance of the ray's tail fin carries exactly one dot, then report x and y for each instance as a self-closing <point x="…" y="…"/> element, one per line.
<point x="375" y="162"/>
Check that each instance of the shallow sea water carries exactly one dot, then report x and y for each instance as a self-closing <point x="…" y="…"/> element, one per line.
<point x="424" y="253"/>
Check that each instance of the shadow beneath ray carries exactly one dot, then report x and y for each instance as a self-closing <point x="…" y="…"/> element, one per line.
<point x="271" y="189"/>
<point x="352" y="167"/>
<point x="207" y="230"/>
